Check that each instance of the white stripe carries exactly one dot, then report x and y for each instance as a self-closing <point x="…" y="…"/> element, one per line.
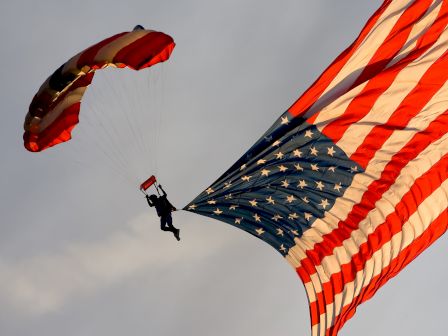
<point x="384" y="207"/>
<point x="386" y="104"/>
<point x="70" y="99"/>
<point x="108" y="52"/>
<point x="417" y="224"/>
<point x="362" y="56"/>
<point x="389" y="101"/>
<point x="353" y="195"/>
<point x="419" y="28"/>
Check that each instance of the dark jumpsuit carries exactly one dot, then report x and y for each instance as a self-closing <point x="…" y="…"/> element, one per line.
<point x="164" y="209"/>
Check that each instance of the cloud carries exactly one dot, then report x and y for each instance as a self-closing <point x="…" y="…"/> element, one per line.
<point x="44" y="283"/>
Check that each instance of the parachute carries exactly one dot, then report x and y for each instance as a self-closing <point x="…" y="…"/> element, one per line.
<point x="350" y="183"/>
<point x="54" y="110"/>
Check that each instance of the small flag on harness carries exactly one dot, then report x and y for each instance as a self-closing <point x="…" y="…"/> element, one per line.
<point x="149" y="182"/>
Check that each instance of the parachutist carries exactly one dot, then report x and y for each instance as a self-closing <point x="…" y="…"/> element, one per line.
<point x="164" y="209"/>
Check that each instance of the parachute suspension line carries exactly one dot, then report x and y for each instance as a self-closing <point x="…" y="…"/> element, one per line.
<point x="126" y="141"/>
<point x="154" y="110"/>
<point x="132" y="108"/>
<point x="112" y="139"/>
<point x="150" y="109"/>
<point x="101" y="135"/>
<point x="79" y="146"/>
<point x="161" y="97"/>
<point x="139" y="97"/>
<point x="86" y="139"/>
<point x="158" y="104"/>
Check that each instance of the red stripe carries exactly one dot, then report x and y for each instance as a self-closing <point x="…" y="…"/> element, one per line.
<point x="430" y="83"/>
<point x="418" y="143"/>
<point x="141" y="52"/>
<point x="423" y="187"/>
<point x="60" y="130"/>
<point x="394" y="41"/>
<point x="314" y="92"/>
<point x="432" y="233"/>
<point x="362" y="104"/>
<point x="87" y="56"/>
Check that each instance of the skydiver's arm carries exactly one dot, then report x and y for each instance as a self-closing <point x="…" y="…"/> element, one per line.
<point x="149" y="201"/>
<point x="164" y="193"/>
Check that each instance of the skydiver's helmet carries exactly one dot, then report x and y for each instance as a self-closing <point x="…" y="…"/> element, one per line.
<point x="153" y="198"/>
<point x="138" y="27"/>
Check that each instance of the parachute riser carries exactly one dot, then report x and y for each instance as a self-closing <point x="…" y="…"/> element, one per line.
<point x="157" y="188"/>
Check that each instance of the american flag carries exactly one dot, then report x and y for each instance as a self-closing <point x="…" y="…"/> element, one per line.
<point x="350" y="183"/>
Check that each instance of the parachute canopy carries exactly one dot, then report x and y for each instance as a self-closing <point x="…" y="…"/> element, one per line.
<point x="351" y="183"/>
<point x="53" y="112"/>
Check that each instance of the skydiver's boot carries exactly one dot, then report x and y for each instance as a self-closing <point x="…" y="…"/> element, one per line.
<point x="176" y="234"/>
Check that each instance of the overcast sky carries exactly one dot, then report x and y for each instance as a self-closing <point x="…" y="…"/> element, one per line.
<point x="81" y="253"/>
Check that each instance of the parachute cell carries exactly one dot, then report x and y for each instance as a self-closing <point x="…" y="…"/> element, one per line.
<point x="53" y="112"/>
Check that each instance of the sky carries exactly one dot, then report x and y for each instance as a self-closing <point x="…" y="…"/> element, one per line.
<point x="82" y="254"/>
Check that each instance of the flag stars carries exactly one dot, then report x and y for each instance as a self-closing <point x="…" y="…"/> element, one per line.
<point x="320" y="185"/>
<point x="238" y="220"/>
<point x="270" y="200"/>
<point x="246" y="178"/>
<point x="314" y="151"/>
<point x="212" y="201"/>
<point x="290" y="199"/>
<point x="309" y="134"/>
<point x="277" y="217"/>
<point x="276" y="143"/>
<point x="282" y="168"/>
<point x="308" y="216"/>
<point x="217" y="211"/>
<point x="337" y="187"/>
<point x="314" y="167"/>
<point x="297" y="153"/>
<point x="254" y="202"/>
<point x="332" y="169"/>
<point x="265" y="172"/>
<point x="279" y="232"/>
<point x="302" y="184"/>
<point x="279" y="155"/>
<point x="294" y="232"/>
<point x="285" y="183"/>
<point x="324" y="203"/>
<point x="260" y="231"/>
<point x="305" y="199"/>
<point x="283" y="248"/>
<point x="256" y="218"/>
<point x="284" y="120"/>
<point x="244" y="166"/>
<point x="228" y="196"/>
<point x="192" y="207"/>
<point x="298" y="167"/>
<point x="209" y="191"/>
<point x="331" y="151"/>
<point x="354" y="169"/>
<point x="261" y="161"/>
<point x="293" y="216"/>
<point x="233" y="207"/>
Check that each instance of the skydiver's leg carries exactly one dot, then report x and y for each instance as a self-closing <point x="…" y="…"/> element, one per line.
<point x="164" y="226"/>
<point x="168" y="220"/>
